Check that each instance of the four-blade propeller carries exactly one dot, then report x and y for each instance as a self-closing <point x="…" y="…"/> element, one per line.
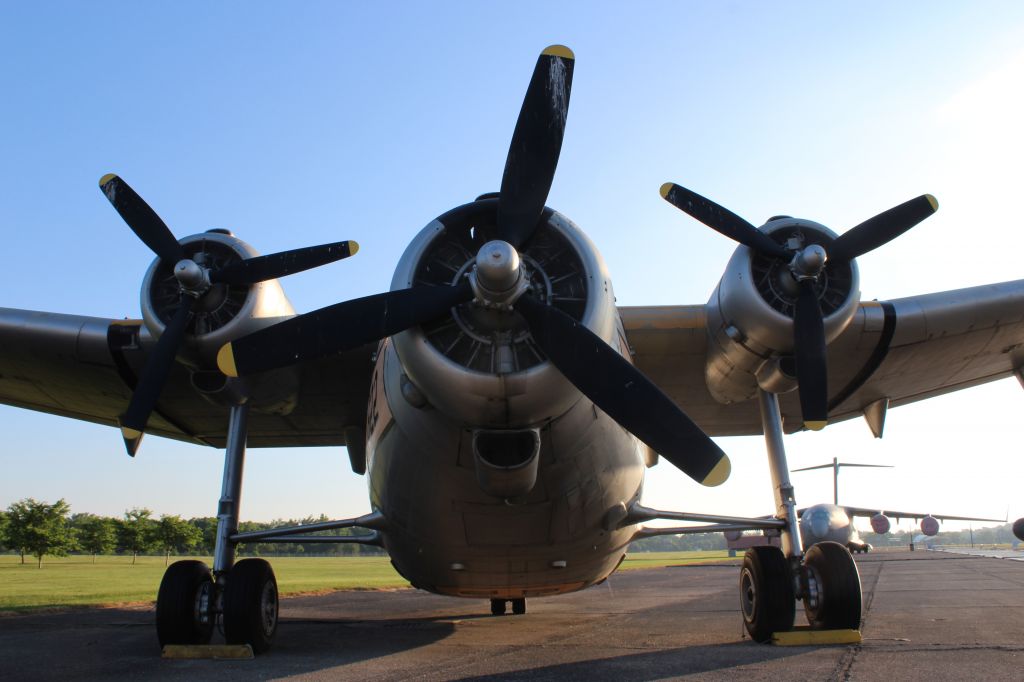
<point x="194" y="282"/>
<point x="806" y="265"/>
<point x="597" y="370"/>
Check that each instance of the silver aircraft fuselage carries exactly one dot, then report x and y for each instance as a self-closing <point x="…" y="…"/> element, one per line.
<point x="445" y="529"/>
<point x="828" y="522"/>
<point x="446" y="535"/>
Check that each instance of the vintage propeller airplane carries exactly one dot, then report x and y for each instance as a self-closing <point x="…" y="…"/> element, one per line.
<point x="501" y="405"/>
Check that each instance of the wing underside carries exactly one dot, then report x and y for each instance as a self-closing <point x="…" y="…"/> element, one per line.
<point x="85" y="368"/>
<point x="898" y="351"/>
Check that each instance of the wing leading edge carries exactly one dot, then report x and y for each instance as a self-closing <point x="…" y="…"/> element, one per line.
<point x="85" y="368"/>
<point x="893" y="352"/>
<point x="899" y="351"/>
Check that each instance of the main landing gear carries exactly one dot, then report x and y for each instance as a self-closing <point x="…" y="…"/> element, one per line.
<point x="243" y="595"/>
<point x="498" y="606"/>
<point x="772" y="579"/>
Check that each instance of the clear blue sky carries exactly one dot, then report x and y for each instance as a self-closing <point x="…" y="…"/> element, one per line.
<point x="296" y="124"/>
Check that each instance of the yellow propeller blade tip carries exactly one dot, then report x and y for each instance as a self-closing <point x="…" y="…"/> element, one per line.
<point x="718" y="475"/>
<point x="933" y="201"/>
<point x="107" y="178"/>
<point x="226" y="360"/>
<point x="559" y="51"/>
<point x="816" y="425"/>
<point x="665" y="189"/>
<point x="353" y="247"/>
<point x="130" y="434"/>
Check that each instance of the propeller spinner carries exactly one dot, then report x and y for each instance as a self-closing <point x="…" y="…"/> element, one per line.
<point x="806" y="264"/>
<point x="597" y="370"/>
<point x="194" y="282"/>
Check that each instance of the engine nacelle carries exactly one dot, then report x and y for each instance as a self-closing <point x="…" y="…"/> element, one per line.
<point x="750" y="314"/>
<point x="930" y="526"/>
<point x="225" y="313"/>
<point x="880" y="524"/>
<point x="478" y="365"/>
<point x="1018" y="529"/>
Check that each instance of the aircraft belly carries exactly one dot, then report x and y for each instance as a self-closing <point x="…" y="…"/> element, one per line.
<point x="446" y="535"/>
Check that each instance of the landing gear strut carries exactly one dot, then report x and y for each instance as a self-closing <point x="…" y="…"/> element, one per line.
<point x="825" y="579"/>
<point x="244" y="595"/>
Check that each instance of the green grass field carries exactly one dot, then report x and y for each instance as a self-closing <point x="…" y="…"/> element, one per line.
<point x="76" y="581"/>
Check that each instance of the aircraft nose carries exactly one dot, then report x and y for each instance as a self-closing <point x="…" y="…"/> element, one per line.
<point x="819" y="525"/>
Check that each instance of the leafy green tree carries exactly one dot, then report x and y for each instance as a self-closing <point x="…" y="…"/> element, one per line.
<point x="38" y="528"/>
<point x="96" y="534"/>
<point x="207" y="526"/>
<point x="135" y="531"/>
<point x="3" y="530"/>
<point x="17" y="524"/>
<point x="173" y="534"/>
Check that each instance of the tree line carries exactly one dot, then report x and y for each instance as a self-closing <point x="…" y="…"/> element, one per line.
<point x="37" y="529"/>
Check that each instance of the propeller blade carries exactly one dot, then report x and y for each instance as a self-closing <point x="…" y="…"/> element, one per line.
<point x="721" y="220"/>
<point x="338" y="327"/>
<point x="810" y="356"/>
<point x="143" y="220"/>
<point x="277" y="265"/>
<point x="154" y="376"/>
<point x="883" y="228"/>
<point x="536" y="144"/>
<point x="624" y="393"/>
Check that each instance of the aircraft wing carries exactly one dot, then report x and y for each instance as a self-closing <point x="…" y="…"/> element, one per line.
<point x="903" y="350"/>
<point x="85" y="368"/>
<point x="868" y="513"/>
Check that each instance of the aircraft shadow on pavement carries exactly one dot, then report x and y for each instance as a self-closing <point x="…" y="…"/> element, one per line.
<point x="651" y="665"/>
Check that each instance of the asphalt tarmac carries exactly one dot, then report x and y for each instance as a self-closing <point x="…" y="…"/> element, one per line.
<point x="928" y="616"/>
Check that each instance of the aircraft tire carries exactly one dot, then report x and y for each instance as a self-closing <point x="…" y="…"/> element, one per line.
<point x="185" y="586"/>
<point x="497" y="607"/>
<point x="251" y="605"/>
<point x="519" y="606"/>
<point x="838" y="605"/>
<point x="766" y="593"/>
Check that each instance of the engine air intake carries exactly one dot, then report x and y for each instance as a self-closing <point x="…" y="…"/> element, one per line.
<point x="506" y="461"/>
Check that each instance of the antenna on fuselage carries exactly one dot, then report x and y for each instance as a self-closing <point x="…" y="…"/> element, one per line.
<point x="834" y="466"/>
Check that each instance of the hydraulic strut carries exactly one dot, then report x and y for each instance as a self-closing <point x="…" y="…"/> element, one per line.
<point x="785" y="500"/>
<point x="231" y="491"/>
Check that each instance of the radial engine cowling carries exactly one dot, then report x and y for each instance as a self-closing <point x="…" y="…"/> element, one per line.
<point x="479" y="364"/>
<point x="750" y="314"/>
<point x="225" y="312"/>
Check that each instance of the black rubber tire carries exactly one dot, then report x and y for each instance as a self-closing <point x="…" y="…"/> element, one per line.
<point x="177" y="604"/>
<point x="519" y="606"/>
<point x="838" y="605"/>
<point x="251" y="605"/>
<point x="766" y="593"/>
<point x="497" y="607"/>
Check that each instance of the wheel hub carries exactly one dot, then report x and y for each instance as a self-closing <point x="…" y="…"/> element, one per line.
<point x="748" y="595"/>
<point x="268" y="608"/>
